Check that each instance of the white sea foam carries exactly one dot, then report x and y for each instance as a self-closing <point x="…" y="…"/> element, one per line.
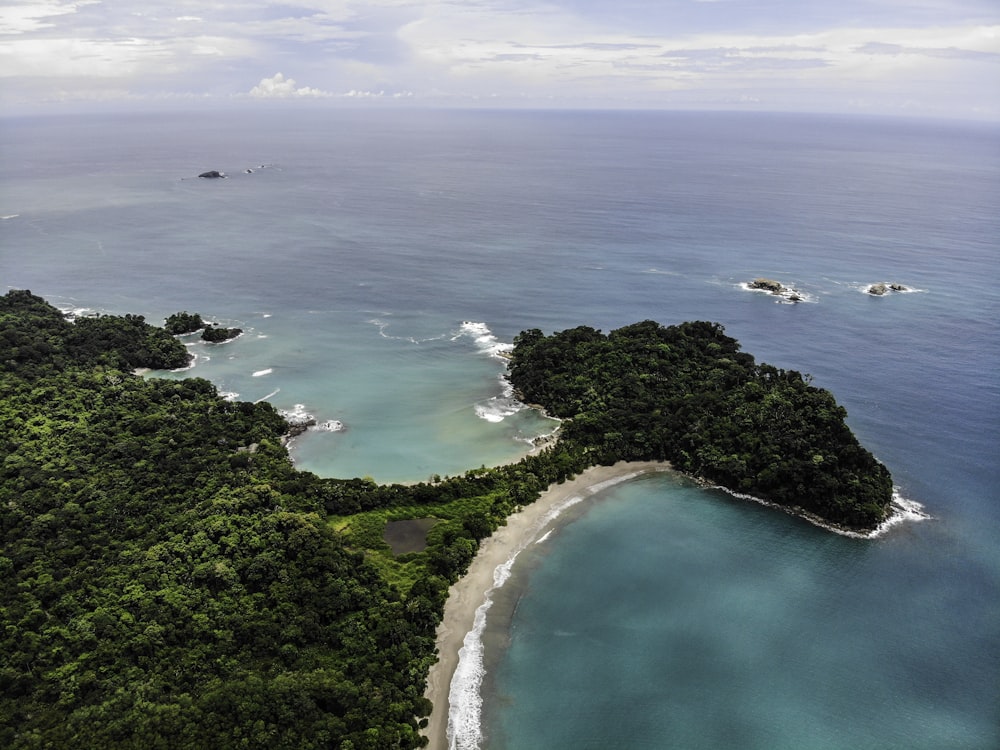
<point x="889" y="291"/>
<point x="9" y="216"/>
<point x="383" y="327"/>
<point x="297" y="414"/>
<point x="498" y="408"/>
<point x="229" y="395"/>
<point x="465" y="701"/>
<point x="902" y="511"/>
<point x="486" y="342"/>
<point x="275" y="392"/>
<point x="788" y="295"/>
<point x="193" y="358"/>
<point x="266" y="371"/>
<point x="557" y="510"/>
<point x="331" y="425"/>
<point x="464" y="698"/>
<point x="611" y="482"/>
<point x="72" y="313"/>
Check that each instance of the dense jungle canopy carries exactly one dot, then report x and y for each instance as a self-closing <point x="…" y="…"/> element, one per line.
<point x="169" y="580"/>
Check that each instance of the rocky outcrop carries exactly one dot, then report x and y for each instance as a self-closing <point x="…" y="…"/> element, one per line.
<point x="776" y="288"/>
<point x="879" y="289"/>
<point x="767" y="285"/>
<point x="297" y="428"/>
<point x="213" y="174"/>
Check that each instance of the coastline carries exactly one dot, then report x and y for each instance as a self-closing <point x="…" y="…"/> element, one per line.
<point x="470" y="595"/>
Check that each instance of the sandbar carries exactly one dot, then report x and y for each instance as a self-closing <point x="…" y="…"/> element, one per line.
<point x="466" y="595"/>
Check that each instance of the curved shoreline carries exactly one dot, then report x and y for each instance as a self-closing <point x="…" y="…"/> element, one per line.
<point x="470" y="598"/>
<point x="470" y="593"/>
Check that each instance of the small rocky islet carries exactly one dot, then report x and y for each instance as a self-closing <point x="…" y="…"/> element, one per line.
<point x="771" y="286"/>
<point x="184" y="323"/>
<point x="881" y="288"/>
<point x="775" y="287"/>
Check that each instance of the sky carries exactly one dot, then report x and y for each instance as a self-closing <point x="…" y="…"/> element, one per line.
<point x="935" y="58"/>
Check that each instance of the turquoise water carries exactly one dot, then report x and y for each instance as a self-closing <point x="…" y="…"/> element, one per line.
<point x="407" y="399"/>
<point x="725" y="624"/>
<point x="377" y="263"/>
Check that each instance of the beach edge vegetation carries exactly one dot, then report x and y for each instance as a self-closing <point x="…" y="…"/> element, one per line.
<point x="169" y="579"/>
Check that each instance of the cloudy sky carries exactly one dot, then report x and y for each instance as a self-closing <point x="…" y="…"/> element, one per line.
<point x="919" y="57"/>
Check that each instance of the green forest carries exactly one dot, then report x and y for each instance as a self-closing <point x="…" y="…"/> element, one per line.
<point x="170" y="580"/>
<point x="688" y="395"/>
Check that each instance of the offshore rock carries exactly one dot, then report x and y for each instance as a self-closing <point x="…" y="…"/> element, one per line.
<point x="768" y="285"/>
<point x="297" y="428"/>
<point x="776" y="288"/>
<point x="219" y="335"/>
<point x="881" y="288"/>
<point x="213" y="174"/>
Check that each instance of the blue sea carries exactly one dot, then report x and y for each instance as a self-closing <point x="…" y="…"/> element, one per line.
<point x="379" y="260"/>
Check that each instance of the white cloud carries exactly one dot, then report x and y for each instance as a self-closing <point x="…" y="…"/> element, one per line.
<point x="572" y="55"/>
<point x="571" y="51"/>
<point x="279" y="87"/>
<point x="132" y="58"/>
<point x="24" y="18"/>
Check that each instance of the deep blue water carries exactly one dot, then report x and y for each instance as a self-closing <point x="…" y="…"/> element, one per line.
<point x="664" y="615"/>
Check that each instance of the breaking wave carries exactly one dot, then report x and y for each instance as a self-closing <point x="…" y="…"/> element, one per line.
<point x="300" y="416"/>
<point x="498" y="408"/>
<point x="464" y="696"/>
<point x="485" y="340"/>
<point x="501" y="406"/>
<point x="297" y="415"/>
<point x="383" y="328"/>
<point x="901" y="510"/>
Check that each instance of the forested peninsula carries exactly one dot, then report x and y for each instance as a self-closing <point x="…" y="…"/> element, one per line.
<point x="688" y="395"/>
<point x="170" y="580"/>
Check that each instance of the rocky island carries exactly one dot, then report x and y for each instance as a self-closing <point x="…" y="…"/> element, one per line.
<point x="219" y="335"/>
<point x="881" y="288"/>
<point x="774" y="287"/>
<point x="183" y="323"/>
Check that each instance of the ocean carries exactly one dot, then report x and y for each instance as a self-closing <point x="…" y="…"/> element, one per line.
<point x="379" y="260"/>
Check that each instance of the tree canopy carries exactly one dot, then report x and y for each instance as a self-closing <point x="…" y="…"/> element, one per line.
<point x="687" y="394"/>
<point x="169" y="579"/>
<point x="184" y="322"/>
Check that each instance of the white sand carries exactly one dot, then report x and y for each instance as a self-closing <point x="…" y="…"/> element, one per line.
<point x="469" y="592"/>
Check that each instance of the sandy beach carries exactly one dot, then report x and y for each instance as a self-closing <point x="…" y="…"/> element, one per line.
<point x="465" y="597"/>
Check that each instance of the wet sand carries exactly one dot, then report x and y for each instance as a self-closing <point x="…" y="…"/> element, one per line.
<point x="465" y="597"/>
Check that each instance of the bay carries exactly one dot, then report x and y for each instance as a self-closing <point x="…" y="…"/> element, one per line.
<point x="377" y="261"/>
